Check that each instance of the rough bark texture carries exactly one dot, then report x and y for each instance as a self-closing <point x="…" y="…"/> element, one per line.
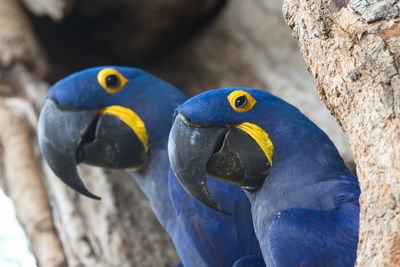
<point x="355" y="65"/>
<point x="56" y="9"/>
<point x="17" y="41"/>
<point x="119" y="230"/>
<point x="22" y="175"/>
<point x="248" y="44"/>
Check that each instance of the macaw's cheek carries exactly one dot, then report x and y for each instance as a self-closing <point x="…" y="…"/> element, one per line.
<point x="112" y="144"/>
<point x="240" y="161"/>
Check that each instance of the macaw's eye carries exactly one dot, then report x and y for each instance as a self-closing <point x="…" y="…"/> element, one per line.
<point x="241" y="101"/>
<point x="111" y="80"/>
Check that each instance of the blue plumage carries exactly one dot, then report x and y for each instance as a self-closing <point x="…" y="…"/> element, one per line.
<point x="202" y="237"/>
<point x="221" y="239"/>
<point x="306" y="212"/>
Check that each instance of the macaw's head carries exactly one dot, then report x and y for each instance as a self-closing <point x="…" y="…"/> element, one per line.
<point x="231" y="134"/>
<point x="104" y="116"/>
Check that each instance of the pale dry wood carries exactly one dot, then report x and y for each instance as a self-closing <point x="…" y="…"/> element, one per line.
<point x="24" y="186"/>
<point x="373" y="10"/>
<point x="56" y="9"/>
<point x="119" y="230"/>
<point x="355" y="67"/>
<point x="17" y="41"/>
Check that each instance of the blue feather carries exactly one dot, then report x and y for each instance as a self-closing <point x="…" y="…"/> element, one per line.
<point x="250" y="261"/>
<point x="314" y="237"/>
<point x="219" y="238"/>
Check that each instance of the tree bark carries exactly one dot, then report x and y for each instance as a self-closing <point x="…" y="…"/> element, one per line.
<point x="352" y="50"/>
<point x="56" y="9"/>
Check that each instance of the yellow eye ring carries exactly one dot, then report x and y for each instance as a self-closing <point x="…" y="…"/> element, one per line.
<point x="241" y="101"/>
<point x="111" y="80"/>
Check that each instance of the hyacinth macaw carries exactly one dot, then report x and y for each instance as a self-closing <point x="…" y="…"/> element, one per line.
<point x="120" y="117"/>
<point x="304" y="199"/>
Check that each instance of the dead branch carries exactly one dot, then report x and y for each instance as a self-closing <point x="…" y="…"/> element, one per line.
<point x="25" y="187"/>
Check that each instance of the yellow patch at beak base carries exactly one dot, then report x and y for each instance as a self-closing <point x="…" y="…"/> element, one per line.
<point x="260" y="136"/>
<point x="131" y="119"/>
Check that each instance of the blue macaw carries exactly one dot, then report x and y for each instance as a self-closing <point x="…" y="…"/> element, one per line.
<point x="304" y="200"/>
<point x="120" y="117"/>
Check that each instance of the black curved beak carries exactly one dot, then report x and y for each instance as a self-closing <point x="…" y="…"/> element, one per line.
<point x="60" y="134"/>
<point x="189" y="149"/>
<point x="69" y="137"/>
<point x="226" y="153"/>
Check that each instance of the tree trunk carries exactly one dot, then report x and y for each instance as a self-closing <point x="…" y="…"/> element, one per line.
<point x="22" y="175"/>
<point x="248" y="44"/>
<point x="352" y="50"/>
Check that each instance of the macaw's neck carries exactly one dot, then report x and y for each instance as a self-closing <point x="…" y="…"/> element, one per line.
<point x="153" y="181"/>
<point x="156" y="108"/>
<point x="307" y="170"/>
<point x="153" y="178"/>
